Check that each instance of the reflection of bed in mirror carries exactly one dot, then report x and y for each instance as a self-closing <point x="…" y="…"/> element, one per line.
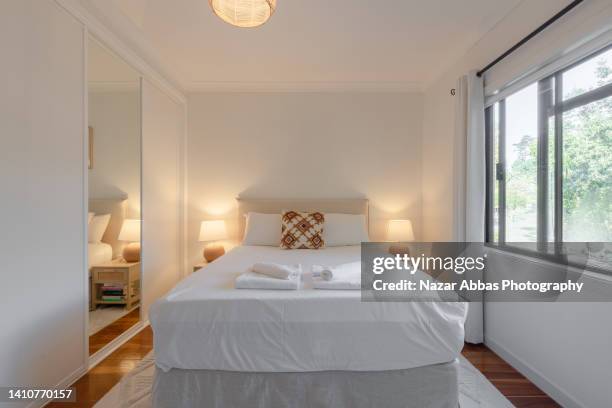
<point x="98" y="252"/>
<point x="110" y="247"/>
<point x="117" y="208"/>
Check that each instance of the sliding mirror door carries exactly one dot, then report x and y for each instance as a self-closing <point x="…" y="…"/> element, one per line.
<point x="114" y="175"/>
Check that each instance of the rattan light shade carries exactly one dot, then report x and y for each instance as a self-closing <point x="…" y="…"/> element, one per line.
<point x="243" y="13"/>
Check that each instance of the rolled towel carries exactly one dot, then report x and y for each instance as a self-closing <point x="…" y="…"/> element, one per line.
<point x="316" y="270"/>
<point x="275" y="270"/>
<point x="346" y="271"/>
<point x="253" y="280"/>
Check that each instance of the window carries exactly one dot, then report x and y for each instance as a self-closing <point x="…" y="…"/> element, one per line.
<point x="549" y="159"/>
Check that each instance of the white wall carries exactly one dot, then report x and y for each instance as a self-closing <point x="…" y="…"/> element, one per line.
<point x="303" y="145"/>
<point x="115" y="118"/>
<point x="563" y="347"/>
<point x="42" y="233"/>
<point x="162" y="147"/>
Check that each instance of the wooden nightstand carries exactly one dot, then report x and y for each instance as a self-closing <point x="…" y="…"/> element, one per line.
<point x="118" y="277"/>
<point x="199" y="266"/>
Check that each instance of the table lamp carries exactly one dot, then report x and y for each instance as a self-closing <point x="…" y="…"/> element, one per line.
<point x="400" y="231"/>
<point x="211" y="231"/>
<point x="130" y="232"/>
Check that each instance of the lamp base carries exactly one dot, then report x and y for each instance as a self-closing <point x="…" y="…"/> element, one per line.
<point x="398" y="249"/>
<point x="213" y="251"/>
<point x="131" y="252"/>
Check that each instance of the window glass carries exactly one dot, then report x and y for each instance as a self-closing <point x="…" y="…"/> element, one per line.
<point x="574" y="180"/>
<point x="593" y="73"/>
<point x="521" y="165"/>
<point x="587" y="178"/>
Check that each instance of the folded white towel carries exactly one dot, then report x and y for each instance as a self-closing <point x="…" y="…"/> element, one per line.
<point x="318" y="283"/>
<point x="346" y="271"/>
<point x="275" y="270"/>
<point x="253" y="280"/>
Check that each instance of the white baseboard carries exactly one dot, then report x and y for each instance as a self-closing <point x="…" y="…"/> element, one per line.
<point x="556" y="392"/>
<point x="94" y="359"/>
<point x="65" y="383"/>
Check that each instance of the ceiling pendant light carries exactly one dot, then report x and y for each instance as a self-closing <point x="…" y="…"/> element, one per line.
<point x="243" y="13"/>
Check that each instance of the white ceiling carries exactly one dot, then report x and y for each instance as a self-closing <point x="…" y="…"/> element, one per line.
<point x="401" y="43"/>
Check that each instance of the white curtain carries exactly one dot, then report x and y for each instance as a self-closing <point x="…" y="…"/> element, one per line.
<point x="470" y="182"/>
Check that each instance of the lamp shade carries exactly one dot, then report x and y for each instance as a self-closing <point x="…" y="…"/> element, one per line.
<point x="400" y="231"/>
<point x="212" y="230"/>
<point x="243" y="13"/>
<point x="130" y="231"/>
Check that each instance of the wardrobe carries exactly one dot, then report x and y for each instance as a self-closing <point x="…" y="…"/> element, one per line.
<point x="43" y="173"/>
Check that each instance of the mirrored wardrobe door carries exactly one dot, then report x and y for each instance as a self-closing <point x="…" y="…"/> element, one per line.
<point x="114" y="177"/>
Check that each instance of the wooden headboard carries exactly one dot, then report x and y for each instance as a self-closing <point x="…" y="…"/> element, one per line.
<point x="117" y="208"/>
<point x="276" y="206"/>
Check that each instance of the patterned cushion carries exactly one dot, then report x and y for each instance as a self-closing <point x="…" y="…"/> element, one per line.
<point x="302" y="230"/>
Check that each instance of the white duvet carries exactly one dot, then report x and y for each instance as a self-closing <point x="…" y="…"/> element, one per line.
<point x="204" y="323"/>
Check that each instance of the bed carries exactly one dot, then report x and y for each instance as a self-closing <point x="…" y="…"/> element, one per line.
<point x="218" y="346"/>
<point x="110" y="247"/>
<point x="99" y="253"/>
<point x="117" y="208"/>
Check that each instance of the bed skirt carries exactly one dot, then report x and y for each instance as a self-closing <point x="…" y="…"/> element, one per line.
<point x="434" y="386"/>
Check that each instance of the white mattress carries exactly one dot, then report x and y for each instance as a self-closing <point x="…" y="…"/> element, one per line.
<point x="204" y="323"/>
<point x="98" y="253"/>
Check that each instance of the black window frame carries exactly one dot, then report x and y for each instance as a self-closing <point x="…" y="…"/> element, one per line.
<point x="550" y="105"/>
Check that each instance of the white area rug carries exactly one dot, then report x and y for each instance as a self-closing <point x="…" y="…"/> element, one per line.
<point x="134" y="390"/>
<point x="103" y="316"/>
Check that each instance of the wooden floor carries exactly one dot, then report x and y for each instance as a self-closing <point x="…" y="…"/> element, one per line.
<point x="113" y="330"/>
<point x="512" y="384"/>
<point x="100" y="379"/>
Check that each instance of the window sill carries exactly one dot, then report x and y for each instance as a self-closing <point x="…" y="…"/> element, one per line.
<point x="595" y="269"/>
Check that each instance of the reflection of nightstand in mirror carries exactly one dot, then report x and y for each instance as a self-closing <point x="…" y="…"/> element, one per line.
<point x="116" y="283"/>
<point x="199" y="266"/>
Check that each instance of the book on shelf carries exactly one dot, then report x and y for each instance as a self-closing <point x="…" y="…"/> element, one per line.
<point x="112" y="286"/>
<point x="113" y="298"/>
<point x="112" y="292"/>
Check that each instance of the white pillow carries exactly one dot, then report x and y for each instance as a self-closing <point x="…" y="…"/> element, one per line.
<point x="90" y="217"/>
<point x="344" y="229"/>
<point x="97" y="227"/>
<point x="262" y="229"/>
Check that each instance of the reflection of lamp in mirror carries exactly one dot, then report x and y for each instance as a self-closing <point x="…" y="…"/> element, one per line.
<point x="130" y="232"/>
<point x="400" y="231"/>
<point x="211" y="231"/>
